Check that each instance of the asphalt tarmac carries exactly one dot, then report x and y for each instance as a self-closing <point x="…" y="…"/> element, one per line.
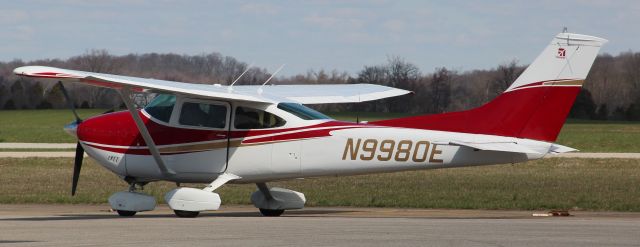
<point x="95" y="225"/>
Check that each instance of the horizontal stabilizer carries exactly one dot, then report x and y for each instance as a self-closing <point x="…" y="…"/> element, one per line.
<point x="496" y="146"/>
<point x="558" y="149"/>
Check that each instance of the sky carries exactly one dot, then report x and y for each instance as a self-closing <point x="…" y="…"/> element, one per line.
<point x="331" y="35"/>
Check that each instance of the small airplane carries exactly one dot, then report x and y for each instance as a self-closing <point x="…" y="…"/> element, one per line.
<point x="215" y="134"/>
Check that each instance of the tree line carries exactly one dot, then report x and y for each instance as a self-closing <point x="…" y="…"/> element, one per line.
<point x="611" y="91"/>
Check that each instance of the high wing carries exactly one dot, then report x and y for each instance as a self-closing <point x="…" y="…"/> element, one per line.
<point x="303" y="94"/>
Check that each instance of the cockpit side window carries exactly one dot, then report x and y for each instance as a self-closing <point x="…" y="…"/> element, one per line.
<point x="250" y="118"/>
<point x="203" y="115"/>
<point x="161" y="107"/>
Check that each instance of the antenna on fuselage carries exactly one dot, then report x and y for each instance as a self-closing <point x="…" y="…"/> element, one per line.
<point x="240" y="76"/>
<point x="273" y="75"/>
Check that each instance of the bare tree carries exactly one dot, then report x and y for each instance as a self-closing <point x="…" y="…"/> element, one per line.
<point x="441" y="90"/>
<point x="401" y="73"/>
<point x="374" y="75"/>
<point x="505" y="75"/>
<point x="631" y="65"/>
<point x="99" y="61"/>
<point x="614" y="81"/>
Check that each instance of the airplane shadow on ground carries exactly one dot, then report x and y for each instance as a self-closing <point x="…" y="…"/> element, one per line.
<point x="114" y="215"/>
<point x="16" y="241"/>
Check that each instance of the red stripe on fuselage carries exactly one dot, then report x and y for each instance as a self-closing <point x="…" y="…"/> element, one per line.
<point x="296" y="135"/>
<point x="122" y="150"/>
<point x="119" y="129"/>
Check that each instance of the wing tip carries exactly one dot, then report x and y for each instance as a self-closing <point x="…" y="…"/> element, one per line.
<point x="44" y="72"/>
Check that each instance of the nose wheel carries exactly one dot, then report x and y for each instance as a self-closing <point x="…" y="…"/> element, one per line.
<point x="128" y="203"/>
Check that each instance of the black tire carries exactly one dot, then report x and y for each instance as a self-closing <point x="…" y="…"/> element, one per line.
<point x="125" y="213"/>
<point x="186" y="214"/>
<point x="271" y="212"/>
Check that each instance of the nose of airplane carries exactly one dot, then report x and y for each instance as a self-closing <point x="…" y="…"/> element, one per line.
<point x="72" y="128"/>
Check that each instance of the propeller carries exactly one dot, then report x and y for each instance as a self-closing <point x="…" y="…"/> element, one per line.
<point x="72" y="127"/>
<point x="69" y="102"/>
<point x="77" y="165"/>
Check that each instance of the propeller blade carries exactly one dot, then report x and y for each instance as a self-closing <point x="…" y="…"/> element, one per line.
<point x="69" y="102"/>
<point x="76" y="167"/>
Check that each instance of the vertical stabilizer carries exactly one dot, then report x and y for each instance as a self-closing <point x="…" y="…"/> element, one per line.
<point x="569" y="56"/>
<point x="535" y="106"/>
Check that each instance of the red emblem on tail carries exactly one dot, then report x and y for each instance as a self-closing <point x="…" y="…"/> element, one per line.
<point x="561" y="52"/>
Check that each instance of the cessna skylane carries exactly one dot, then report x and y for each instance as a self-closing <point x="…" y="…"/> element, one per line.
<point x="216" y="134"/>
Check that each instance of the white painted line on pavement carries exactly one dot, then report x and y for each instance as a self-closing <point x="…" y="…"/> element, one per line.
<point x="38" y="154"/>
<point x="20" y="145"/>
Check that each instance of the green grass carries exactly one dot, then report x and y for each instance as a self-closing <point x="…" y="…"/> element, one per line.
<point x="39" y="125"/>
<point x="601" y="136"/>
<point x="589" y="184"/>
<point x="587" y="136"/>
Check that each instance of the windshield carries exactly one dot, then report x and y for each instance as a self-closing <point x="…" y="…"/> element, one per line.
<point x="161" y="107"/>
<point x="301" y="111"/>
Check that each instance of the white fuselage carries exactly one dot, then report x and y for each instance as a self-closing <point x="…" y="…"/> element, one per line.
<point x="317" y="149"/>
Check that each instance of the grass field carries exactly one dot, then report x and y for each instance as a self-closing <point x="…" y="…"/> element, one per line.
<point x="39" y="125"/>
<point x="587" y="136"/>
<point x="601" y="136"/>
<point x="589" y="184"/>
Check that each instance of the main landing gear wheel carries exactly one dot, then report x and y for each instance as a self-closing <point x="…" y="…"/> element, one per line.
<point x="271" y="212"/>
<point x="125" y="213"/>
<point x="186" y="214"/>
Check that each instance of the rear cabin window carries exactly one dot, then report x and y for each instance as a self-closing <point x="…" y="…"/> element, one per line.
<point x="161" y="107"/>
<point x="203" y="115"/>
<point x="301" y="111"/>
<point x="250" y="118"/>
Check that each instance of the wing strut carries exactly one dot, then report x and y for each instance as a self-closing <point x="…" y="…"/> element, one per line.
<point x="125" y="93"/>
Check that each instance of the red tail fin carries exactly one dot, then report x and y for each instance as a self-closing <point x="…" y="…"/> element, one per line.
<point x="534" y="113"/>
<point x="535" y="106"/>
